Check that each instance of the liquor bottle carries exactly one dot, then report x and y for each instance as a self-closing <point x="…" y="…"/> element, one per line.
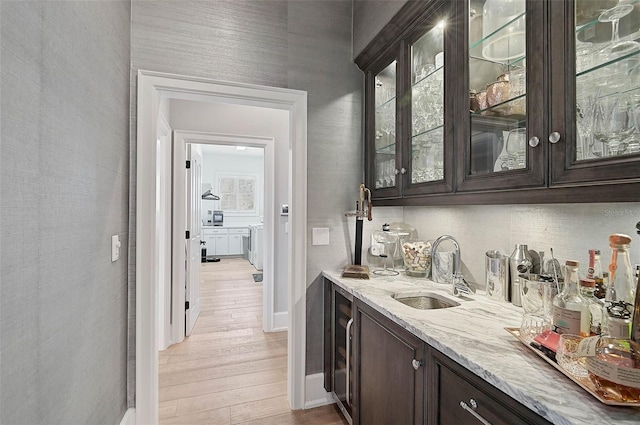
<point x="613" y="362"/>
<point x="595" y="272"/>
<point x="620" y="295"/>
<point x="570" y="310"/>
<point x="587" y="287"/>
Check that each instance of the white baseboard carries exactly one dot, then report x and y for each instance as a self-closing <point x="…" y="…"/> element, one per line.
<point x="280" y="321"/>
<point x="129" y="417"/>
<point x="315" y="394"/>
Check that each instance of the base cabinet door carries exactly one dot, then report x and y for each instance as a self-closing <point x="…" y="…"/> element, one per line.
<point x="457" y="396"/>
<point x="390" y="374"/>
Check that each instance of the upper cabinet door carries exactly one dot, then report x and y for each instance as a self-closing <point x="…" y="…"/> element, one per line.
<point x="503" y="120"/>
<point x="595" y="90"/>
<point x="383" y="132"/>
<point x="428" y="147"/>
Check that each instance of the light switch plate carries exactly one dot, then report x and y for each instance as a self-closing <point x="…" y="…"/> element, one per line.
<point x="320" y="236"/>
<point x="115" y="248"/>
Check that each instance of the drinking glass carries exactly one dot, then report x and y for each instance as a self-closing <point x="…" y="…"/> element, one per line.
<point x="584" y="120"/>
<point x="517" y="148"/>
<point x="568" y="358"/>
<point x="613" y="15"/>
<point x="532" y="326"/>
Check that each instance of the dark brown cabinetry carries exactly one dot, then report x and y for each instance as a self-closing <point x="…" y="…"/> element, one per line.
<point x="463" y="398"/>
<point x="390" y="372"/>
<point x="535" y="140"/>
<point x="393" y="377"/>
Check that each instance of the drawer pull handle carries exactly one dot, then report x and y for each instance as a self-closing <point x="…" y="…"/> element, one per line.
<point x="416" y="364"/>
<point x="472" y="409"/>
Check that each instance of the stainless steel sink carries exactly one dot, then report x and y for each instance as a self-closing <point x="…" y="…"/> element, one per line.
<point x="425" y="301"/>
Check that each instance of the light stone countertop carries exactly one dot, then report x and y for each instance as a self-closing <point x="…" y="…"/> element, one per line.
<point x="473" y="335"/>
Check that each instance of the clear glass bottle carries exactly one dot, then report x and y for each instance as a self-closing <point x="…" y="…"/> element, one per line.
<point x="587" y="288"/>
<point x="570" y="310"/>
<point x="614" y="362"/>
<point x="595" y="272"/>
<point x="620" y="294"/>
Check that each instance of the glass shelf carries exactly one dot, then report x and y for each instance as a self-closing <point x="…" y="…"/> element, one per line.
<point x="593" y="22"/>
<point x="385" y="103"/>
<point x="503" y="109"/>
<point x="475" y="50"/>
<point x="427" y="77"/>
<point x="634" y="55"/>
<point x="389" y="149"/>
<point x="426" y="132"/>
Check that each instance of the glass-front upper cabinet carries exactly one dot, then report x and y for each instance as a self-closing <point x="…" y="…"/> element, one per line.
<point x="427" y="106"/>
<point x="602" y="126"/>
<point x="501" y="141"/>
<point x="429" y="147"/>
<point x="385" y="123"/>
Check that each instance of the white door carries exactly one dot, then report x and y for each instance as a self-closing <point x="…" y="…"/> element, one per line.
<point x="193" y="246"/>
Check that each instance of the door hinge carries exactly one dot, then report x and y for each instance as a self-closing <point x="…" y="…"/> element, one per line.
<point x="188" y="234"/>
<point x="186" y="305"/>
<point x="188" y="164"/>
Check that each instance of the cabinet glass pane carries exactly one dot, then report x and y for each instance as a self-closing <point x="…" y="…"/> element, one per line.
<point x="497" y="83"/>
<point x="385" y="125"/>
<point x="607" y="78"/>
<point x="427" y="107"/>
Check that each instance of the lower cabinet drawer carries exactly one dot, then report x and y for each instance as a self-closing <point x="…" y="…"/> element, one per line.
<point x="464" y="398"/>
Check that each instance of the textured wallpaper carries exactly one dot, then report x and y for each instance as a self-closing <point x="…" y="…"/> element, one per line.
<point x="64" y="191"/>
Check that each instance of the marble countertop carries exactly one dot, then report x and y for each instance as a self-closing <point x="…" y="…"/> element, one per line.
<point x="473" y="335"/>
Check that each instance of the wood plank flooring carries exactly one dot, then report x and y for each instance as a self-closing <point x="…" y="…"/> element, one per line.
<point x="229" y="371"/>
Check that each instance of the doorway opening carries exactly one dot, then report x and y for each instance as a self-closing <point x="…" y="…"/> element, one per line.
<point x="152" y="87"/>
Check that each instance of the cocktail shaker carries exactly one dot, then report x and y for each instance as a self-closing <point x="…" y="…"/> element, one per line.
<point x="497" y="275"/>
<point x="520" y="256"/>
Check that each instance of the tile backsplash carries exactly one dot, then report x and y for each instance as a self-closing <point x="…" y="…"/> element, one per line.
<point x="570" y="229"/>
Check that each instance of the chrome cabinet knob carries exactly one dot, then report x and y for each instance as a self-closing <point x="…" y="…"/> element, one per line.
<point x="554" y="137"/>
<point x="403" y="170"/>
<point x="534" y="141"/>
<point x="395" y="171"/>
<point x="416" y="364"/>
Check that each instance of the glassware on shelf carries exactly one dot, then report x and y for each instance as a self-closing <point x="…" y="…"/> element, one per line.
<point x="503" y="29"/>
<point x="517" y="149"/>
<point x="617" y="47"/>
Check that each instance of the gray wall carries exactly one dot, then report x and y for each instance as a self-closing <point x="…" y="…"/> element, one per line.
<point x="303" y="45"/>
<point x="369" y="17"/>
<point x="64" y="191"/>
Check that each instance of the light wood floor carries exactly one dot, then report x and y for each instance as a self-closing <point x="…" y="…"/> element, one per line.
<point x="229" y="371"/>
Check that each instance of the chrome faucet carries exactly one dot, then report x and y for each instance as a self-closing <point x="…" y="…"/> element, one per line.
<point x="459" y="285"/>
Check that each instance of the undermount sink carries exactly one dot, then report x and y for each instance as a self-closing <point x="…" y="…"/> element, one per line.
<point x="425" y="301"/>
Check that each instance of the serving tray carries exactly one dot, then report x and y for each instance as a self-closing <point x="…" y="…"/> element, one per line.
<point x="585" y="383"/>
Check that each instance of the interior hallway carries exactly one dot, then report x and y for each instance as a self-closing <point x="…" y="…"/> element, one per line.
<point x="229" y="371"/>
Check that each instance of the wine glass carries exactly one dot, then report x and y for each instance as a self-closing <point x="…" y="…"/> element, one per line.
<point x="613" y="15"/>
<point x="517" y="148"/>
<point x="584" y="119"/>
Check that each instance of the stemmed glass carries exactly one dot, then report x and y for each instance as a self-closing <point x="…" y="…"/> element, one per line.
<point x="613" y="15"/>
<point x="584" y="113"/>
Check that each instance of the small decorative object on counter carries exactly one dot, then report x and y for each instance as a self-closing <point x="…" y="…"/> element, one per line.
<point x="405" y="233"/>
<point x="497" y="275"/>
<point x="519" y="257"/>
<point x="389" y="243"/>
<point x="587" y="288"/>
<point x="620" y="295"/>
<point x="570" y="311"/>
<point x="595" y="272"/>
<point x="417" y="258"/>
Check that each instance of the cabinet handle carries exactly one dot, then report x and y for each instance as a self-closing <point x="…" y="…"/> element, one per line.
<point x="349" y="323"/>
<point x="403" y="170"/>
<point x="396" y="172"/>
<point x="534" y="141"/>
<point x="472" y="409"/>
<point x="554" y="137"/>
<point x="416" y="364"/>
